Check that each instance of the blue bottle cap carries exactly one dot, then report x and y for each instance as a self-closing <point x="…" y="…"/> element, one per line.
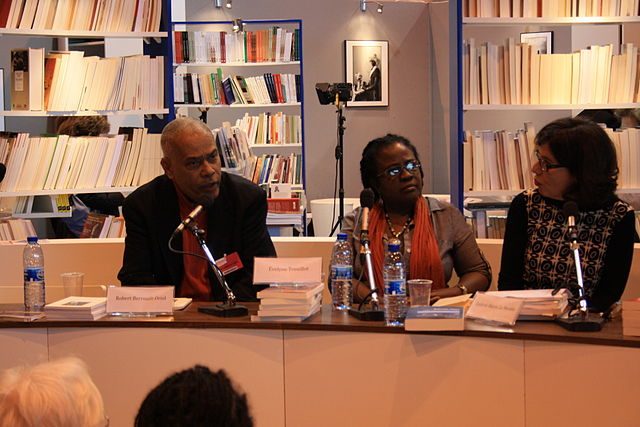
<point x="32" y="239"/>
<point x="342" y="236"/>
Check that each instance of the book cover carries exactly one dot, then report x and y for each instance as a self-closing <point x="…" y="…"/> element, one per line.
<point x="446" y="318"/>
<point x="27" y="79"/>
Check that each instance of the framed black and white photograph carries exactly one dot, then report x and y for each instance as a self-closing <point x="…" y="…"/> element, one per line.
<point x="367" y="68"/>
<point x="542" y="42"/>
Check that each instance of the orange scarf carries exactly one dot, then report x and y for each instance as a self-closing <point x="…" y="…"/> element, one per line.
<point x="425" y="262"/>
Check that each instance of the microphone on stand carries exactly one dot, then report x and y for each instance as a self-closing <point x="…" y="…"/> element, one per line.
<point x="367" y="199"/>
<point x="582" y="321"/>
<point x="188" y="220"/>
<point x="229" y="307"/>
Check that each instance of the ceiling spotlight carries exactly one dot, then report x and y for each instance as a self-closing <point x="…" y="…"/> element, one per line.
<point x="363" y="5"/>
<point x="379" y="9"/>
<point x="228" y="5"/>
<point x="238" y="25"/>
<point x="217" y="3"/>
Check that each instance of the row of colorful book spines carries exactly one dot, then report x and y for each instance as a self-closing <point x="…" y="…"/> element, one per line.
<point x="259" y="46"/>
<point x="223" y="95"/>
<point x="290" y="169"/>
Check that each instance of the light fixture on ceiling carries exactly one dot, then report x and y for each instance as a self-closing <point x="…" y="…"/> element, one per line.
<point x="238" y="25"/>
<point x="363" y="5"/>
<point x="217" y="3"/>
<point x="228" y="4"/>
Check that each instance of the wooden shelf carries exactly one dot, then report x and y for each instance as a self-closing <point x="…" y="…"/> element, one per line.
<point x="234" y="64"/>
<point x="81" y="34"/>
<point x="552" y="21"/>
<point x="38" y="215"/>
<point x="66" y="191"/>
<point x="285" y="104"/>
<point x="14" y="113"/>
<point x="533" y="107"/>
<point x="513" y="193"/>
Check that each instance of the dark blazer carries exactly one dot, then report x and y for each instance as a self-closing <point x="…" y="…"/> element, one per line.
<point x="235" y="223"/>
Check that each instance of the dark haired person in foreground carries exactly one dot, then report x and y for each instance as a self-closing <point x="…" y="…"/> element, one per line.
<point x="234" y="219"/>
<point x="434" y="236"/>
<point x="195" y="397"/>
<point x="576" y="161"/>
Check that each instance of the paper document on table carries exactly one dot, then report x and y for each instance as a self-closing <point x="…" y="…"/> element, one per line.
<point x="538" y="302"/>
<point x="460" y="300"/>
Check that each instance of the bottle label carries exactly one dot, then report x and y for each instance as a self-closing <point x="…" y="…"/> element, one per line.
<point x="341" y="272"/>
<point x="395" y="287"/>
<point x="34" y="274"/>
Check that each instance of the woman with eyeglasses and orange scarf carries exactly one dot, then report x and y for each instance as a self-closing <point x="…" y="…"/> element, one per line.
<point x="433" y="235"/>
<point x="576" y="161"/>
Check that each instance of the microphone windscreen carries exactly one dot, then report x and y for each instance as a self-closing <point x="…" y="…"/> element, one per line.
<point x="3" y="171"/>
<point x="570" y="208"/>
<point x="367" y="198"/>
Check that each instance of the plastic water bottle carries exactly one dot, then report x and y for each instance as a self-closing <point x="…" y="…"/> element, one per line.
<point x="341" y="273"/>
<point x="33" y="262"/>
<point x="395" y="285"/>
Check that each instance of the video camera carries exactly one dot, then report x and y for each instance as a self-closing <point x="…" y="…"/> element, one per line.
<point x="327" y="92"/>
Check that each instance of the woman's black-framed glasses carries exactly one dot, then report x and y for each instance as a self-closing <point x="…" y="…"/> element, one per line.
<point x="545" y="166"/>
<point x="411" y="166"/>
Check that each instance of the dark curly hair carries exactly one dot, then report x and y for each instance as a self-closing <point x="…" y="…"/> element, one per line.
<point x="368" y="168"/>
<point x="586" y="150"/>
<point x="195" y="397"/>
<point x="82" y="125"/>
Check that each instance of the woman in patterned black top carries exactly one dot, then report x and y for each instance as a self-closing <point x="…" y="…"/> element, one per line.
<point x="576" y="161"/>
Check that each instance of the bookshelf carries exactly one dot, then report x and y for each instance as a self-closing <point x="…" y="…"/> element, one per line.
<point x="101" y="26"/>
<point x="570" y="34"/>
<point x="265" y="49"/>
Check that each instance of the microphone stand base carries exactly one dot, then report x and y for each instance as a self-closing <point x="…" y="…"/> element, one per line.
<point x="579" y="323"/>
<point x="367" y="314"/>
<point x="225" y="310"/>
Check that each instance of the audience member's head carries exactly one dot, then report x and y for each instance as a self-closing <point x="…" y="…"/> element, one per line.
<point x="51" y="394"/>
<point x="629" y="117"/>
<point x="195" y="397"/>
<point x="83" y="125"/>
<point x="605" y="117"/>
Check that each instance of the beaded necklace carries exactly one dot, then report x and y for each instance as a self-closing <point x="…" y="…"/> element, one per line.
<point x="405" y="227"/>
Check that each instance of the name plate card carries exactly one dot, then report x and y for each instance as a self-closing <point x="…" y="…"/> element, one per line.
<point x="140" y="299"/>
<point x="287" y="270"/>
<point x="489" y="308"/>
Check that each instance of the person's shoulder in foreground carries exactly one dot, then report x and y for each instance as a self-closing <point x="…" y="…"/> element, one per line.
<point x="195" y="397"/>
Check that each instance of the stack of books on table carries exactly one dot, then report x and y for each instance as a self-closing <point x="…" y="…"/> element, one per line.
<point x="289" y="303"/>
<point x="77" y="308"/>
<point x="538" y="304"/>
<point x="631" y="317"/>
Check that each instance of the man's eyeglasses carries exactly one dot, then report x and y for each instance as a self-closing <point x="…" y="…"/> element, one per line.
<point x="411" y="166"/>
<point x="545" y="166"/>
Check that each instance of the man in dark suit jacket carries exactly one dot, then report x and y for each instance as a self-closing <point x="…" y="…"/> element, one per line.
<point x="234" y="219"/>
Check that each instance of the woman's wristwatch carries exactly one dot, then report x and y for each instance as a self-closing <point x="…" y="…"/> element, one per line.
<point x="463" y="288"/>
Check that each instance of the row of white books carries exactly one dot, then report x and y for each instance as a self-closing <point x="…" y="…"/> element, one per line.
<point x="548" y="8"/>
<point x="268" y="128"/>
<point x="627" y="143"/>
<point x="517" y="74"/>
<point x="283" y="303"/>
<point x="83" y="15"/>
<point x="63" y="162"/>
<point x="16" y="229"/>
<point x="270" y="45"/>
<point x="213" y="89"/>
<point x="498" y="160"/>
<point x="69" y="81"/>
